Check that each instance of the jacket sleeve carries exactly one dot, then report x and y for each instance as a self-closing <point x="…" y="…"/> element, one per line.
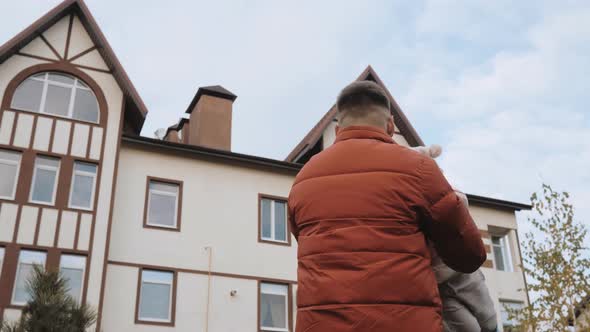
<point x="292" y="223"/>
<point x="448" y="223"/>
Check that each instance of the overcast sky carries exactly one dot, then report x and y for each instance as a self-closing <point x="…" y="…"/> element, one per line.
<point x="501" y="85"/>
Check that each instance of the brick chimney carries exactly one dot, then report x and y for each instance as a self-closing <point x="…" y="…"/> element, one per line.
<point x="210" y="118"/>
<point x="178" y="132"/>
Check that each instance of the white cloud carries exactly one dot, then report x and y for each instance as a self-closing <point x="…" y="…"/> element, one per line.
<point x="518" y="118"/>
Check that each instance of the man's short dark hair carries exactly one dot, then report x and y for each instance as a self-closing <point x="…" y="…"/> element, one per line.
<point x="362" y="95"/>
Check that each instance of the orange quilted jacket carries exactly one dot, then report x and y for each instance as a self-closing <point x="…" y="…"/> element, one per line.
<point x="361" y="212"/>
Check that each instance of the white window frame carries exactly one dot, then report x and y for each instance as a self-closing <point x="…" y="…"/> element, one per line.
<point x="55" y="181"/>
<point x="273" y="201"/>
<point x="164" y="193"/>
<point x="287" y="306"/>
<point x="74" y="87"/>
<point x="506" y="253"/>
<point x="12" y="300"/>
<point x="12" y="163"/>
<point x="155" y="282"/>
<point x="93" y="190"/>
<point x="61" y="264"/>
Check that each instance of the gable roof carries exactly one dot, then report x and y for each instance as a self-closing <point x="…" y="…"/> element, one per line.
<point x="135" y="108"/>
<point x="401" y="121"/>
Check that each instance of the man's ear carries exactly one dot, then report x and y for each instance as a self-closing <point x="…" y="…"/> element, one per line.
<point x="390" y="126"/>
<point x="336" y="129"/>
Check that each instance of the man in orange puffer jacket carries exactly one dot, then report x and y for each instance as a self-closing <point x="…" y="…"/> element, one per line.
<point x="361" y="212"/>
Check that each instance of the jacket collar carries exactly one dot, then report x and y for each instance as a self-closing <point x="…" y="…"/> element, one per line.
<point x="363" y="132"/>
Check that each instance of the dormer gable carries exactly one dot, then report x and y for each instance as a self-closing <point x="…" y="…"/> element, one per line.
<point x="322" y="134"/>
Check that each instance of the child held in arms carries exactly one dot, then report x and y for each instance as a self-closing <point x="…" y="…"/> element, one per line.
<point x="467" y="305"/>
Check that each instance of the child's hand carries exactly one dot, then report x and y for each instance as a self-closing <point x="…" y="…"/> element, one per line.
<point x="433" y="151"/>
<point x="462" y="196"/>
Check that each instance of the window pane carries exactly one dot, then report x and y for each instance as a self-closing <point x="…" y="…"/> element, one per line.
<point x="45" y="161"/>
<point x="274" y="289"/>
<point x="82" y="189"/>
<point x="85" y="167"/>
<point x="25" y="269"/>
<point x="161" y="186"/>
<point x="74" y="277"/>
<point x="8" y="179"/>
<point x="20" y="286"/>
<point x="43" y="186"/>
<point x="28" y="95"/>
<point x="495" y="240"/>
<point x="280" y="221"/>
<point x="273" y="309"/>
<point x="265" y="218"/>
<point x="85" y="106"/>
<point x="162" y="210"/>
<point x="72" y="268"/>
<point x="61" y="78"/>
<point x="499" y="258"/>
<point x="32" y="257"/>
<point x="9" y="155"/>
<point x="155" y="301"/>
<point x="157" y="276"/>
<point x="57" y="100"/>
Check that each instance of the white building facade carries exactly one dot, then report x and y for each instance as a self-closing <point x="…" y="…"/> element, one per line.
<point x="179" y="234"/>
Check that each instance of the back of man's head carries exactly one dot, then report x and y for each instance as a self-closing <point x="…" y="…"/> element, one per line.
<point x="363" y="103"/>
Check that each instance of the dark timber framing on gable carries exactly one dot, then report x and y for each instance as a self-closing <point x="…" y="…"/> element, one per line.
<point x="63" y="182"/>
<point x="136" y="109"/>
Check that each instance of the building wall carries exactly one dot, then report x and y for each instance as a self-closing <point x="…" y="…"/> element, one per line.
<point x="504" y="286"/>
<point x="58" y="229"/>
<point x="220" y="212"/>
<point x="227" y="313"/>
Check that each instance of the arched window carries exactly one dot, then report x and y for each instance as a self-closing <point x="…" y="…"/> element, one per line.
<point x="57" y="94"/>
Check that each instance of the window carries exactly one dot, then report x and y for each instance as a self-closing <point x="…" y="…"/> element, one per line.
<point x="1" y="259"/>
<point x="83" y="184"/>
<point x="273" y="220"/>
<point x="44" y="180"/>
<point x="508" y="323"/>
<point x="163" y="204"/>
<point x="56" y="94"/>
<point x="502" y="256"/>
<point x="26" y="260"/>
<point x="274" y="306"/>
<point x="72" y="267"/>
<point x="9" y="168"/>
<point x="155" y="296"/>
